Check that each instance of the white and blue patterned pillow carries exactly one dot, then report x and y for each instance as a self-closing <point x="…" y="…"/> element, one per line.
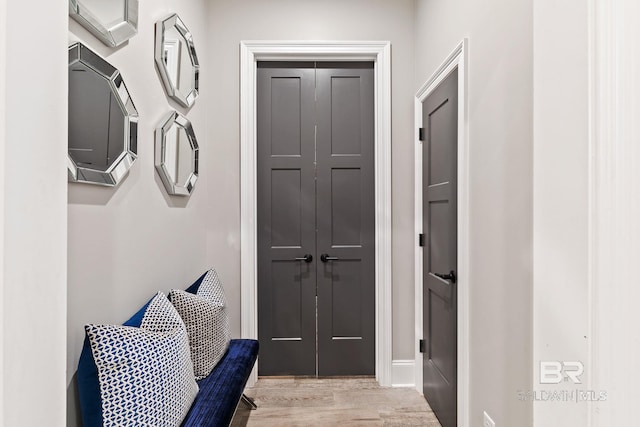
<point x="207" y="322"/>
<point x="145" y="374"/>
<point x="211" y="288"/>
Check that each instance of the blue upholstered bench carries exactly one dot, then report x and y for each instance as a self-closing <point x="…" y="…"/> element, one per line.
<point x="219" y="393"/>
<point x="222" y="390"/>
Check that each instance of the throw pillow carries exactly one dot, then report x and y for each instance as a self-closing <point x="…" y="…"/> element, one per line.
<point x="211" y="288"/>
<point x="145" y="374"/>
<point x="204" y="313"/>
<point x="207" y="326"/>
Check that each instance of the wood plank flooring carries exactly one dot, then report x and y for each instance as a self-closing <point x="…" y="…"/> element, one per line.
<point x="292" y="402"/>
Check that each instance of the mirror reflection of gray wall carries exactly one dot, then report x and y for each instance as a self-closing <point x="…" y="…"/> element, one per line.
<point x="111" y="21"/>
<point x="177" y="155"/>
<point x="102" y="120"/>
<point x="177" y="61"/>
<point x="96" y="127"/>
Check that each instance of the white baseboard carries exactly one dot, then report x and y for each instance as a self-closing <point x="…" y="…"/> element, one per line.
<point x="402" y="373"/>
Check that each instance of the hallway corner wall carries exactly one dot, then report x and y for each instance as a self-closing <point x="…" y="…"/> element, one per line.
<point x="34" y="212"/>
<point x="500" y="111"/>
<point x="561" y="205"/>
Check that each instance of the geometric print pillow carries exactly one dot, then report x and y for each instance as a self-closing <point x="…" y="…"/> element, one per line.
<point x="211" y="288"/>
<point x="145" y="374"/>
<point x="207" y="326"/>
<point x="207" y="320"/>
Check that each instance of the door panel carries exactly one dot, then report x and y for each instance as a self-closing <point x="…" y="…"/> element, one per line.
<point x="440" y="114"/>
<point x="286" y="220"/>
<point x="286" y="93"/>
<point x="346" y="207"/>
<point x="286" y="301"/>
<point x="345" y="109"/>
<point x="286" y="205"/>
<point x="438" y="213"/>
<point x="346" y="317"/>
<point x="345" y="219"/>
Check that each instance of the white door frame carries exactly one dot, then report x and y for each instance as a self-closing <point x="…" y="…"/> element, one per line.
<point x="458" y="59"/>
<point x="380" y="53"/>
<point x="613" y="209"/>
<point x="3" y="140"/>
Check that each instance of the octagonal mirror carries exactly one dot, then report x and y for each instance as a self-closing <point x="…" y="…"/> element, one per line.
<point x="176" y="60"/>
<point x="177" y="155"/>
<point x="111" y="21"/>
<point x="103" y="121"/>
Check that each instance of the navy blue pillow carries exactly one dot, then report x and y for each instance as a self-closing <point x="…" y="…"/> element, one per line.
<point x="193" y="289"/>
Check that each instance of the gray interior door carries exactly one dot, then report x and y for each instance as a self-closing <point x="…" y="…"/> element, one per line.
<point x="439" y="182"/>
<point x="346" y="220"/>
<point x="316" y="272"/>
<point x="286" y="219"/>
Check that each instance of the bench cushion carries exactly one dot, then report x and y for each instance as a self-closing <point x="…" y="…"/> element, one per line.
<point x="221" y="391"/>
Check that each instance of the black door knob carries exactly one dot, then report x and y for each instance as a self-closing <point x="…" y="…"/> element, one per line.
<point x="327" y="258"/>
<point x="451" y="276"/>
<point x="307" y="258"/>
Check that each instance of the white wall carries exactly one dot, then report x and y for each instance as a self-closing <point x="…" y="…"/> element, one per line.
<point x="500" y="99"/>
<point x="561" y="325"/>
<point x="233" y="21"/>
<point x="125" y="244"/>
<point x="33" y="127"/>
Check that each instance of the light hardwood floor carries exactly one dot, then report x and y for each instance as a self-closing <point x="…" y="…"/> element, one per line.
<point x="293" y="402"/>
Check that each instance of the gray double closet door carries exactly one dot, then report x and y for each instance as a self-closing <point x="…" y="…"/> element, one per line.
<point x="316" y="219"/>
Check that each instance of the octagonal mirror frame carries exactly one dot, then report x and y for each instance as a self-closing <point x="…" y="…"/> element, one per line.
<point x="188" y="98"/>
<point x="176" y="189"/>
<point x="118" y="169"/>
<point x="110" y="33"/>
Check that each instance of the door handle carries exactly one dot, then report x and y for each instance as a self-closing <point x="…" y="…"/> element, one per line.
<point x="327" y="258"/>
<point x="307" y="258"/>
<point x="451" y="276"/>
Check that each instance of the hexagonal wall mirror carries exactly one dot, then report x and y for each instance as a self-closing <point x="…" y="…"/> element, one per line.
<point x="176" y="60"/>
<point x="112" y="21"/>
<point x="177" y="155"/>
<point x="103" y="121"/>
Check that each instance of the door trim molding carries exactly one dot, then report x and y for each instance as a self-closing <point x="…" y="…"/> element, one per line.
<point x="380" y="53"/>
<point x="612" y="224"/>
<point x="457" y="59"/>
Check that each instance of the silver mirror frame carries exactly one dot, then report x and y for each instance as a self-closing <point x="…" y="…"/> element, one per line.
<point x="120" y="167"/>
<point x="190" y="98"/>
<point x="176" y="119"/>
<point x="114" y="35"/>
